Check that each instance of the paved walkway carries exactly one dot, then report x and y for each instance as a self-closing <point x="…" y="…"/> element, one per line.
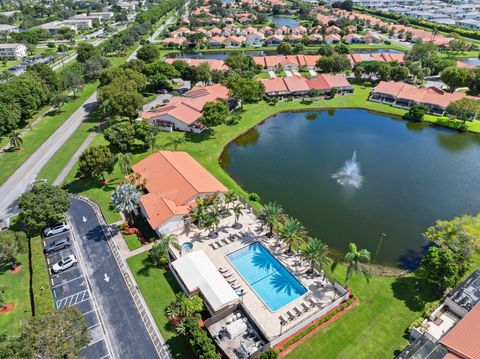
<point x="66" y="170"/>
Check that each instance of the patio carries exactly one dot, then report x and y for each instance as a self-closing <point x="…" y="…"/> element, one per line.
<point x="320" y="294"/>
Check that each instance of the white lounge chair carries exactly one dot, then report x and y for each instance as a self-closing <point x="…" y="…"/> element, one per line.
<point x="219" y="243"/>
<point x="313" y="300"/>
<point x="231" y="280"/>
<point x="235" y="286"/>
<point x="305" y="307"/>
<point x="224" y="240"/>
<point x="223" y="269"/>
<point x="226" y="274"/>
<point x="282" y="319"/>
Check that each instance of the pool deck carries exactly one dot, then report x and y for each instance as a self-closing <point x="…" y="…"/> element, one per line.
<point x="269" y="321"/>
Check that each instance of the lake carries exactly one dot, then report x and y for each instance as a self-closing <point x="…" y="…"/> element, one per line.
<point x="280" y="21"/>
<point x="471" y="61"/>
<point x="375" y="51"/>
<point x="413" y="174"/>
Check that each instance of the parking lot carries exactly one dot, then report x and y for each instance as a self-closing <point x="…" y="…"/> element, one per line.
<point x="70" y="288"/>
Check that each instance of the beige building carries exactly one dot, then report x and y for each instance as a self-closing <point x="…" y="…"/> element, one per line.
<point x="13" y="51"/>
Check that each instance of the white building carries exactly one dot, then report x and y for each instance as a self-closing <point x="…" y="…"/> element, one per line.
<point x="469" y="24"/>
<point x="79" y="23"/>
<point x="8" y="28"/>
<point x="53" y="27"/>
<point x="13" y="51"/>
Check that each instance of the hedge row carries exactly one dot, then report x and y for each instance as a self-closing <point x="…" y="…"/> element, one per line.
<point x="424" y="23"/>
<point x="324" y="319"/>
<point x="42" y="295"/>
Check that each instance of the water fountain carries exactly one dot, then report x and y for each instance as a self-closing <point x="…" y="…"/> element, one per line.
<point x="349" y="174"/>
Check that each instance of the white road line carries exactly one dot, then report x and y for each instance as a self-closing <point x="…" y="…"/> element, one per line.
<point x="68" y="281"/>
<point x="93" y="326"/>
<point x="106" y="356"/>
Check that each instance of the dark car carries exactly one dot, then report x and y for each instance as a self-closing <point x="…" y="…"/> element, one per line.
<point x="57" y="245"/>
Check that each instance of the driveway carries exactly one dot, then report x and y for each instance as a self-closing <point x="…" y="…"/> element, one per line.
<point x="124" y="326"/>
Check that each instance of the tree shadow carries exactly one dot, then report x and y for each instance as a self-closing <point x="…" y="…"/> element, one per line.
<point x="199" y="137"/>
<point x="415" y="292"/>
<point x="412" y="258"/>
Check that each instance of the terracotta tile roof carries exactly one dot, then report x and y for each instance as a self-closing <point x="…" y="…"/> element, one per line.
<point x="336" y="81"/>
<point x="173" y="180"/>
<point x="464" y="338"/>
<point x="293" y="84"/>
<point x="218" y="65"/>
<point x="274" y="85"/>
<point x="296" y="83"/>
<point x="429" y="96"/>
<point x="318" y="83"/>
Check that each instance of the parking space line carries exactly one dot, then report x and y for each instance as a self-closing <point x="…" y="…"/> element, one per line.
<point x="95" y="342"/>
<point x="106" y="356"/>
<point x="93" y="326"/>
<point x="90" y="311"/>
<point x="68" y="281"/>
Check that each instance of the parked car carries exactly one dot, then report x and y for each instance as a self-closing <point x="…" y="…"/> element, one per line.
<point x="57" y="245"/>
<point x="56" y="229"/>
<point x="64" y="263"/>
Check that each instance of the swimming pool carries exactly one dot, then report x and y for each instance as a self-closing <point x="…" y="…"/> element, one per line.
<point x="270" y="280"/>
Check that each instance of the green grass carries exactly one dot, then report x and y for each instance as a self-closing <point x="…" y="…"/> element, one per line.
<point x="376" y="327"/>
<point x="159" y="288"/>
<point x="16" y="291"/>
<point x="11" y="160"/>
<point x="132" y="241"/>
<point x="40" y="282"/>
<point x="9" y="63"/>
<point x="472" y="126"/>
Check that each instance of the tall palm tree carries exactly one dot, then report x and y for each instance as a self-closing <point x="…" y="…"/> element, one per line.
<point x="316" y="252"/>
<point x="213" y="218"/>
<point x="292" y="232"/>
<point x="169" y="240"/>
<point x="356" y="259"/>
<point x="271" y="216"/>
<point x="125" y="199"/>
<point x="237" y="212"/>
<point x="175" y="142"/>
<point x="230" y="197"/>
<point x="124" y="160"/>
<point x="152" y="142"/>
<point x="16" y="140"/>
<point x="188" y="306"/>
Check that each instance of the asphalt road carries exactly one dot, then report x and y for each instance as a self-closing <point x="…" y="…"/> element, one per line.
<point x="27" y="172"/>
<point x="123" y="324"/>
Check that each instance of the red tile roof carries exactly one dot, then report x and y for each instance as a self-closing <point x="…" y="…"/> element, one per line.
<point x="292" y="84"/>
<point x="276" y="60"/>
<point x="214" y="64"/>
<point x="173" y="180"/>
<point x="296" y="83"/>
<point x="464" y="338"/>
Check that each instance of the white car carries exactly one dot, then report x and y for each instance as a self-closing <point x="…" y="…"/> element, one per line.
<point x="64" y="263"/>
<point x="56" y="229"/>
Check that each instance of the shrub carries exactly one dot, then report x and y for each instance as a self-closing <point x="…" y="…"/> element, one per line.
<point x="387" y="42"/>
<point x="269" y="354"/>
<point x="200" y="342"/>
<point x="367" y="84"/>
<point x="447" y="122"/>
<point x="416" y="113"/>
<point x="253" y="197"/>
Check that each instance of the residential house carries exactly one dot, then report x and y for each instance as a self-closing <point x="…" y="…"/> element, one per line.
<point x="404" y="95"/>
<point x="274" y="40"/>
<point x="182" y="112"/>
<point x="13" y="51"/>
<point x="333" y="30"/>
<point x="214" y="64"/>
<point x="175" y="42"/>
<point x="8" y="28"/>
<point x="255" y="39"/>
<point x="332" y="39"/>
<point x="353" y="39"/>
<point x="301" y="86"/>
<point x="371" y="38"/>
<point x="290" y="62"/>
<point x="174" y="180"/>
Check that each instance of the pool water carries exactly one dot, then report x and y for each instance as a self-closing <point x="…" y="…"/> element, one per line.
<point x="270" y="280"/>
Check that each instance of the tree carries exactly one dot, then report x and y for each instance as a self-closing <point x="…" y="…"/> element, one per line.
<point x="459" y="235"/>
<point x="269" y="354"/>
<point x="271" y="215"/>
<point x="86" y="51"/>
<point x="94" y="162"/>
<point x="440" y="268"/>
<point x="292" y="232"/>
<point x="94" y="66"/>
<point x="10" y="116"/>
<point x="158" y="255"/>
<point x="316" y="252"/>
<point x="187" y="307"/>
<point x="399" y="73"/>
<point x="121" y="135"/>
<point x="120" y="99"/>
<point x="355" y="262"/>
<point x="11" y="244"/>
<point x="124" y="160"/>
<point x="214" y="113"/>
<point x="325" y="50"/>
<point x="58" y="334"/>
<point x="125" y="199"/>
<point x="16" y="140"/>
<point x="230" y="197"/>
<point x="454" y="77"/>
<point x="347" y="5"/>
<point x="465" y="109"/>
<point x="333" y="64"/>
<point x="41" y="206"/>
<point x="126" y="78"/>
<point x="237" y="212"/>
<point x="342" y="49"/>
<point x="47" y="75"/>
<point x="73" y="79"/>
<point x="416" y="113"/>
<point x="246" y="90"/>
<point x="203" y="72"/>
<point x="422" y="51"/>
<point x="473" y="81"/>
<point x="284" y="48"/>
<point x="175" y="141"/>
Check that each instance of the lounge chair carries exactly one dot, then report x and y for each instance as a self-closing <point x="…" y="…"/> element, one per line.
<point x="231" y="280"/>
<point x="235" y="286"/>
<point x="313" y="300"/>
<point x="290" y="316"/>
<point x="213" y="245"/>
<point x="226" y="274"/>
<point x="225" y="241"/>
<point x="305" y="307"/>
<point x="218" y="243"/>
<point x="282" y="319"/>
<point x="298" y="311"/>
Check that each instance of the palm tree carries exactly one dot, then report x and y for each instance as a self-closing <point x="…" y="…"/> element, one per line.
<point x="230" y="197"/>
<point x="124" y="160"/>
<point x="237" y="212"/>
<point x="188" y="306"/>
<point x="213" y="219"/>
<point x="356" y="259"/>
<point x="136" y="179"/>
<point x="316" y="252"/>
<point x="271" y="215"/>
<point x="16" y="140"/>
<point x="175" y="142"/>
<point x="125" y="199"/>
<point x="152" y="142"/>
<point x="292" y="232"/>
<point x="169" y="240"/>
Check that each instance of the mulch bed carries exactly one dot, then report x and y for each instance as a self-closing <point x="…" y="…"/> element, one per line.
<point x="7" y="309"/>
<point x="16" y="270"/>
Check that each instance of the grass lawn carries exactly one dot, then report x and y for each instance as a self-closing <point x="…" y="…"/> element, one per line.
<point x="132" y="241"/>
<point x="17" y="291"/>
<point x="159" y="288"/>
<point x="11" y="160"/>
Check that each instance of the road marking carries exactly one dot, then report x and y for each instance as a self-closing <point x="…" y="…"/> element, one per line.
<point x="73" y="299"/>
<point x="106" y="278"/>
<point x="68" y="281"/>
